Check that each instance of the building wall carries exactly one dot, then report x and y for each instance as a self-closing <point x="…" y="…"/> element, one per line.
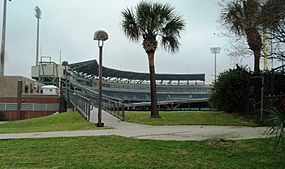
<point x="31" y="99"/>
<point x="9" y="85"/>
<point x="52" y="70"/>
<point x="12" y="115"/>
<point x="28" y="98"/>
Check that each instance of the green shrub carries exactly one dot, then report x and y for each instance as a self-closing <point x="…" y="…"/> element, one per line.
<point x="230" y="89"/>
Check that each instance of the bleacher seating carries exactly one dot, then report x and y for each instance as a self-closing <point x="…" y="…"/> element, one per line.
<point x="134" y="96"/>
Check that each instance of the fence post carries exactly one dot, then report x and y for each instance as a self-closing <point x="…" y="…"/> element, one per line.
<point x="89" y="110"/>
<point x="118" y="110"/>
<point x="261" y="99"/>
<point x="19" y="99"/>
<point x="109" y="105"/>
<point x="123" y="112"/>
<point x="113" y="108"/>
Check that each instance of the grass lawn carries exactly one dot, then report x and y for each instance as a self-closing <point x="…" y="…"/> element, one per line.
<point x="188" y="118"/>
<point x="59" y="122"/>
<point x="110" y="152"/>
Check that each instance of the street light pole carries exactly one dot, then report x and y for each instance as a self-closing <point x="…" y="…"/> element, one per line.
<point x="215" y="51"/>
<point x="38" y="16"/>
<point x="101" y="36"/>
<point x="100" y="88"/>
<point x="2" y="57"/>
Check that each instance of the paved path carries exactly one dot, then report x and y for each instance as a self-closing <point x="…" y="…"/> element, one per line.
<point x="178" y="132"/>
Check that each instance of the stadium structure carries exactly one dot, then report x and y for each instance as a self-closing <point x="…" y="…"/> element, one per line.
<point x="122" y="90"/>
<point x="133" y="87"/>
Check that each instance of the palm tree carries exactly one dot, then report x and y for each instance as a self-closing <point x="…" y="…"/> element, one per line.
<point x="150" y="22"/>
<point x="243" y="18"/>
<point x="252" y="18"/>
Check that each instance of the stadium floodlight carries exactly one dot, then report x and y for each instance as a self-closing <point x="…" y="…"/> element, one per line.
<point x="215" y="51"/>
<point x="2" y="57"/>
<point x="38" y="14"/>
<point x="100" y="36"/>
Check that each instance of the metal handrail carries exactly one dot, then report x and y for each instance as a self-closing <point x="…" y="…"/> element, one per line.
<point x="83" y="104"/>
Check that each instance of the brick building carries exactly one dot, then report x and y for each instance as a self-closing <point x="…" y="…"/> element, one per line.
<point x="28" y="104"/>
<point x="9" y="85"/>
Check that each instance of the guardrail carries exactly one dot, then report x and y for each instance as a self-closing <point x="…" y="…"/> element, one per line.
<point x="115" y="108"/>
<point x="29" y="107"/>
<point x="82" y="97"/>
<point x="81" y="103"/>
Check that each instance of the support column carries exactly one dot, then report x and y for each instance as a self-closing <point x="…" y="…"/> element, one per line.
<point x="19" y="99"/>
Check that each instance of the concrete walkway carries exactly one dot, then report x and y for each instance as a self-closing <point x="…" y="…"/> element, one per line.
<point x="178" y="132"/>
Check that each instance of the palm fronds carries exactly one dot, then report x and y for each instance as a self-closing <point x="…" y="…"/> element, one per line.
<point x="277" y="125"/>
<point x="152" y="20"/>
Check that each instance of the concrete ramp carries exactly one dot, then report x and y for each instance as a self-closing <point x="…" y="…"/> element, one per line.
<point x="107" y="119"/>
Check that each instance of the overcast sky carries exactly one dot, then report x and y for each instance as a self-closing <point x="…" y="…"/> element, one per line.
<point x="69" y="26"/>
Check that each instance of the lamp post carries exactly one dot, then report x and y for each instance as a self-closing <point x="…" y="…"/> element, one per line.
<point x="2" y="57"/>
<point x="215" y="51"/>
<point x="38" y="14"/>
<point x="100" y="36"/>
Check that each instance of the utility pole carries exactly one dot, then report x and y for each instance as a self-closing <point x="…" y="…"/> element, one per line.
<point x="3" y="42"/>
<point x="38" y="14"/>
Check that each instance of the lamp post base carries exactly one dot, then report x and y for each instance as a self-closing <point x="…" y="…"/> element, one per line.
<point x="99" y="124"/>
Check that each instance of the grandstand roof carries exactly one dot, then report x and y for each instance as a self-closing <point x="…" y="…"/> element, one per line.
<point x="91" y="68"/>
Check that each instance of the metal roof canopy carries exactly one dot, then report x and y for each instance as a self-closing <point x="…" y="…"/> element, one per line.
<point x="91" y="68"/>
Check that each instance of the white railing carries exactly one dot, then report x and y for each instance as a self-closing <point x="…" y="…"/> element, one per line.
<point x="29" y="107"/>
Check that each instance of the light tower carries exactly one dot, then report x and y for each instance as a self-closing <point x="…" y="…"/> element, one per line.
<point x="2" y="57"/>
<point x="38" y="14"/>
<point x="215" y="51"/>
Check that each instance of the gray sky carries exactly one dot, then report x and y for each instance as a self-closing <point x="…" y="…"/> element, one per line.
<point x="69" y="25"/>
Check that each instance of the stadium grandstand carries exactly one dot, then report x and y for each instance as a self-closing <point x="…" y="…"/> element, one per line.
<point x="133" y="87"/>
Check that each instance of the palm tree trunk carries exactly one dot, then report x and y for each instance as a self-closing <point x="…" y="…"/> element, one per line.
<point x="255" y="44"/>
<point x="256" y="62"/>
<point x="154" y="111"/>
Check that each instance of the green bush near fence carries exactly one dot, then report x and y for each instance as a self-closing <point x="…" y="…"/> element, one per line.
<point x="230" y="89"/>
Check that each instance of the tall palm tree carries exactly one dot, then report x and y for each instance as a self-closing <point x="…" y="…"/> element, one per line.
<point x="252" y="18"/>
<point x="243" y="18"/>
<point x="151" y="22"/>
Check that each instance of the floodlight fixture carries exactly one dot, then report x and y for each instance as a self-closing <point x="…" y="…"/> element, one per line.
<point x="38" y="12"/>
